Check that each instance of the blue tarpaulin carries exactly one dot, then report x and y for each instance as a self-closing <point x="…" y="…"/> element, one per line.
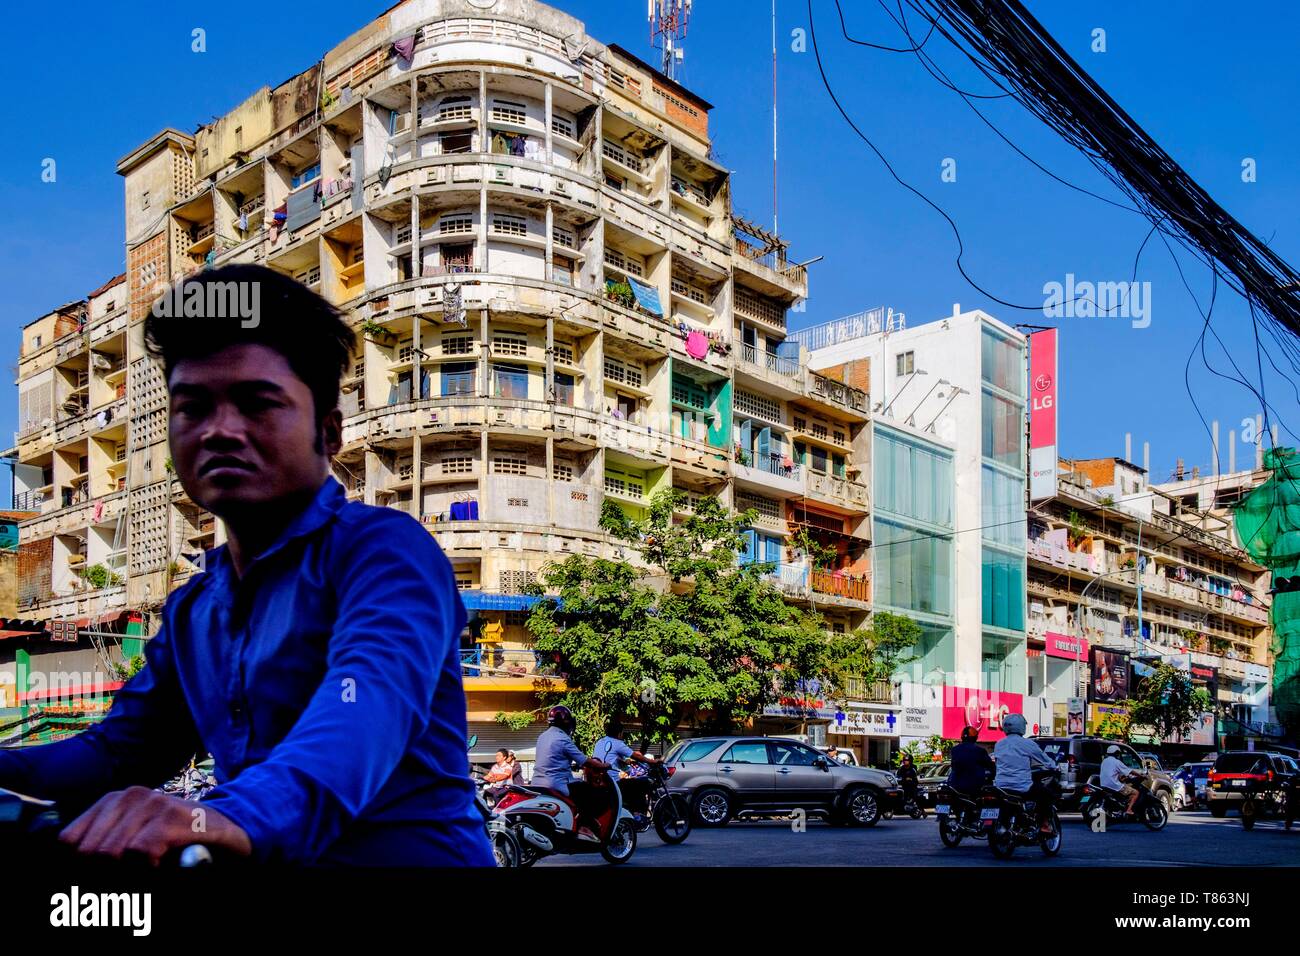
<point x="481" y="601"/>
<point x="646" y="296"/>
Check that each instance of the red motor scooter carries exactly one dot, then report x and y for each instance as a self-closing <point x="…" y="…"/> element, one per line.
<point x="544" y="823"/>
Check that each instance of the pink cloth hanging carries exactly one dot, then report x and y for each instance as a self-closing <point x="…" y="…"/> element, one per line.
<point x="99" y="511"/>
<point x="405" y="47"/>
<point x="697" y="345"/>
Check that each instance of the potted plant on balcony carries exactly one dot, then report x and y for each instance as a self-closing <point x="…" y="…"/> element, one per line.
<point x="620" y="292"/>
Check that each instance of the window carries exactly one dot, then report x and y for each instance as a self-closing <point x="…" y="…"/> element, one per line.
<point x="459" y="255"/>
<point x="563" y="353"/>
<point x="562" y="471"/>
<point x="457" y="344"/>
<point x="506" y="465"/>
<point x="458" y="465"/>
<point x="402" y="234"/>
<point x="1002" y="507"/>
<point x="1002" y="362"/>
<point x="456" y="224"/>
<point x="503" y="111"/>
<point x="912" y="568"/>
<point x="405" y="350"/>
<point x="697" y="750"/>
<point x="148" y="273"/>
<point x="766" y="507"/>
<point x="305" y="176"/>
<point x="746" y="753"/>
<point x="36" y="341"/>
<point x="506" y="225"/>
<point x="1002" y="425"/>
<point x="792" y="755"/>
<point x="562" y="271"/>
<point x="458" y="378"/>
<point x="562" y="126"/>
<point x="562" y="237"/>
<point x="1003" y="589"/>
<point x="308" y="276"/>
<point x="912" y="479"/>
<point x="625" y="483"/>
<point x="622" y="372"/>
<point x="905" y="363"/>
<point x="626" y="406"/>
<point x="563" y="389"/>
<point x="625" y="261"/>
<point x="458" y="142"/>
<point x="454" y="108"/>
<point x="509" y="344"/>
<point x="510" y="381"/>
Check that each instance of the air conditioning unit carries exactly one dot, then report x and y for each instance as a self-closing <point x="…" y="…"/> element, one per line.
<point x="501" y="174"/>
<point x="100" y="361"/>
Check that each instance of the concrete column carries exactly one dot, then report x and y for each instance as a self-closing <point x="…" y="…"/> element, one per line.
<point x="550" y="147"/>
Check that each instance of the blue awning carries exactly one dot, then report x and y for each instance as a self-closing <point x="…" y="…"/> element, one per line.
<point x="480" y="601"/>
<point x="646" y="296"/>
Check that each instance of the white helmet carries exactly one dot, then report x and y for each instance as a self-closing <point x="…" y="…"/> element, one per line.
<point x="1014" y="724"/>
<point x="1113" y="750"/>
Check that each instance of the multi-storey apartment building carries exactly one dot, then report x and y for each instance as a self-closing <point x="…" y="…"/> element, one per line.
<point x="555" y="306"/>
<point x="1203" y="603"/>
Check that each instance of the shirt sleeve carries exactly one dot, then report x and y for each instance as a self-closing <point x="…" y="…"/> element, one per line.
<point x="398" y="618"/>
<point x="573" y="753"/>
<point x="146" y="737"/>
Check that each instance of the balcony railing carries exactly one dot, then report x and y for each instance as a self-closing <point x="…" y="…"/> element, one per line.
<point x="775" y="465"/>
<point x="491" y="661"/>
<point x="871" y="691"/>
<point x="842" y="585"/>
<point x="838" y="392"/>
<point x="781" y="364"/>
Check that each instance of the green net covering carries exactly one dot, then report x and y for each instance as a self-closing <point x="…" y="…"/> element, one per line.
<point x="1268" y="524"/>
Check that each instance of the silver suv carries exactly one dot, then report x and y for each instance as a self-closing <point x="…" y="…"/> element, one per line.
<point x="727" y="777"/>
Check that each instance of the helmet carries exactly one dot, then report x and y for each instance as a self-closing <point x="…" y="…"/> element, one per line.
<point x="969" y="735"/>
<point x="560" y="716"/>
<point x="1014" y="724"/>
<point x="1113" y="751"/>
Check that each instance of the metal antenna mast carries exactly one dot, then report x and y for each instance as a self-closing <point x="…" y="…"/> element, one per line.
<point x="668" y="20"/>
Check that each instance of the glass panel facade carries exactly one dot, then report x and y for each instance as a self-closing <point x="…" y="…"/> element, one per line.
<point x="912" y="568"/>
<point x="935" y="654"/>
<point x="912" y="479"/>
<point x="1003" y="589"/>
<point x="1002" y="516"/>
<point x="1003" y="664"/>
<point x="1002" y="363"/>
<point x="1002" y="423"/>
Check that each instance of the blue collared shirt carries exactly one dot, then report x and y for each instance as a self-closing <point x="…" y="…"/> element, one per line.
<point x="326" y="685"/>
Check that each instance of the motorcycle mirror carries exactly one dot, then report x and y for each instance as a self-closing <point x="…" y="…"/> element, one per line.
<point x="473" y="739"/>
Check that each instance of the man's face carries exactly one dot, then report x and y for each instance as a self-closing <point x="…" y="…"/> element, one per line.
<point x="243" y="430"/>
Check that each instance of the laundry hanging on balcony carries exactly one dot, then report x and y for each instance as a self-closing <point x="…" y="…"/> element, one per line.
<point x="697" y="345"/>
<point x="646" y="296"/>
<point x="405" y="47"/>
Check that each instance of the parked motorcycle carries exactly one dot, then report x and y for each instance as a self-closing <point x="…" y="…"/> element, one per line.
<point x="1010" y="820"/>
<point x="959" y="817"/>
<point x="1096" y="800"/>
<point x="544" y="823"/>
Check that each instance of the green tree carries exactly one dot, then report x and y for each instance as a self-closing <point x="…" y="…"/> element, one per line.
<point x="693" y="638"/>
<point x="129" y="668"/>
<point x="1168" y="704"/>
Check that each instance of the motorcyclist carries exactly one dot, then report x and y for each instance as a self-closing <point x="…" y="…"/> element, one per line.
<point x="1115" y="777"/>
<point x="971" y="764"/>
<point x="612" y="750"/>
<point x="1015" y="758"/>
<point x="908" y="779"/>
<point x="552" y="768"/>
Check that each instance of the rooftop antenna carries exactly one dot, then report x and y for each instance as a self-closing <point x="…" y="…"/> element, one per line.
<point x="668" y="20"/>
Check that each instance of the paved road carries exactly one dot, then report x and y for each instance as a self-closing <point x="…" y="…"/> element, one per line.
<point x="1190" y="839"/>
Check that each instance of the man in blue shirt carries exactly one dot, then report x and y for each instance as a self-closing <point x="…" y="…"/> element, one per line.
<point x="555" y="756"/>
<point x="317" y="657"/>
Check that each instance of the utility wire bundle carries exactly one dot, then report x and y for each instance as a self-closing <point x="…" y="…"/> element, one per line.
<point x="1006" y="43"/>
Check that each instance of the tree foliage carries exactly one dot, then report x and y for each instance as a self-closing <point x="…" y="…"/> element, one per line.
<point x="1168" y="703"/>
<point x="691" y="637"/>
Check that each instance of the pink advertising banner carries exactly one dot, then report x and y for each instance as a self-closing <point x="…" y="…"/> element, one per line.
<point x="1062" y="645"/>
<point x="1042" y="415"/>
<point x="983" y="709"/>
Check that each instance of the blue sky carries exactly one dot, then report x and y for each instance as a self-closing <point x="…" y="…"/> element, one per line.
<point x="1215" y="86"/>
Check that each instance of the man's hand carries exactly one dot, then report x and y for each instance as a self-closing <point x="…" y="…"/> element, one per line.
<point x="143" y="821"/>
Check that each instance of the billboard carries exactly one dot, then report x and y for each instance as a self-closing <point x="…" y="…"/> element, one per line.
<point x="1042" y="414"/>
<point x="1108" y="675"/>
<point x="982" y="709"/>
<point x="1065" y="646"/>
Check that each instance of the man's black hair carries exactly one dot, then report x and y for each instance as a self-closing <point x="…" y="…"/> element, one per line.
<point x="289" y="318"/>
<point x="614" y="727"/>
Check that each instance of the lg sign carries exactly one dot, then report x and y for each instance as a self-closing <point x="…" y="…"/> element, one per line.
<point x="1043" y="402"/>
